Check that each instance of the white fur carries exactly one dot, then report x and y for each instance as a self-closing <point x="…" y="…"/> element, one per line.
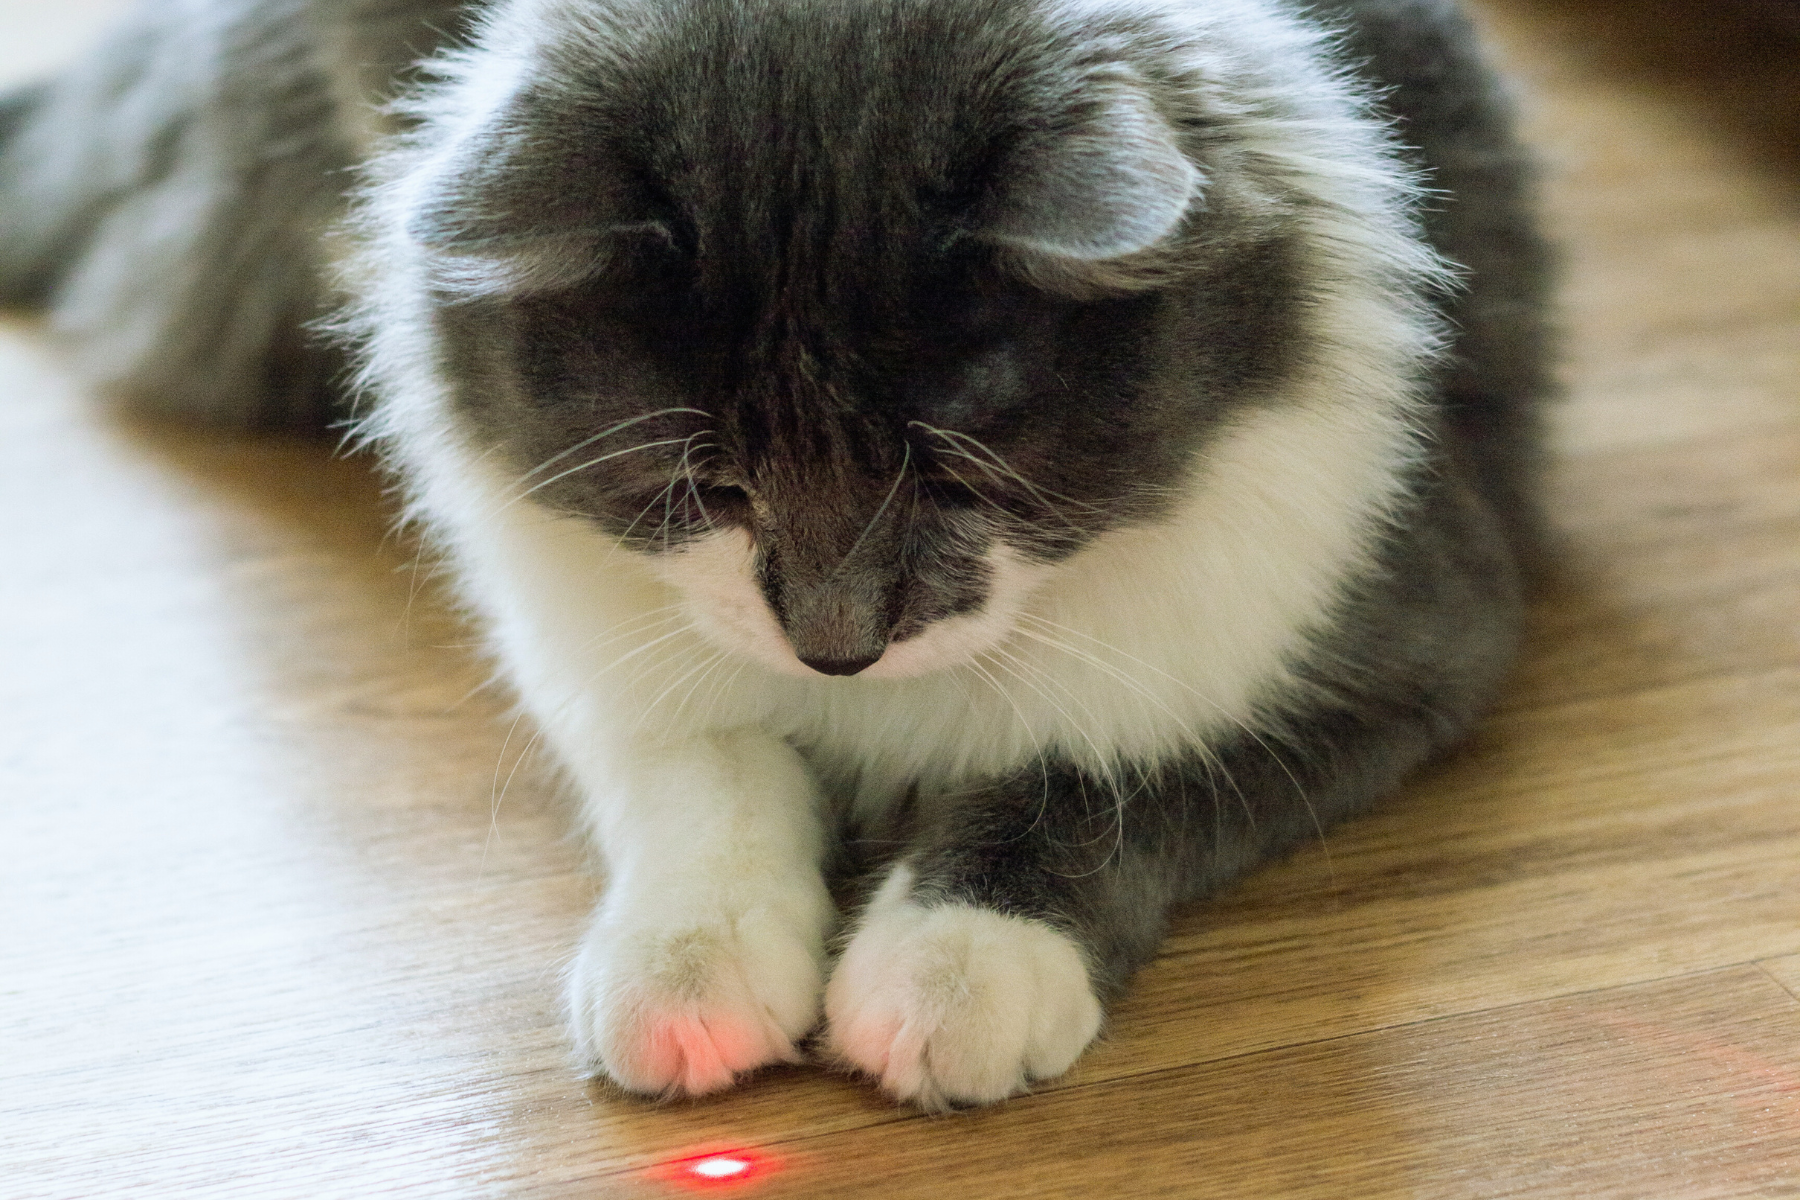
<point x="668" y="693"/>
<point x="953" y="1004"/>
<point x="706" y="957"/>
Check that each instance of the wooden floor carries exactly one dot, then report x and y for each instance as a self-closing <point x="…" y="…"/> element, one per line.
<point x="265" y="930"/>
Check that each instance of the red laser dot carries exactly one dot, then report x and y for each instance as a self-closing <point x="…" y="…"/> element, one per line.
<point x="721" y="1167"/>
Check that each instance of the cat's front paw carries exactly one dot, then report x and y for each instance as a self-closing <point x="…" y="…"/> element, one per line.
<point x="681" y="1008"/>
<point x="952" y="1004"/>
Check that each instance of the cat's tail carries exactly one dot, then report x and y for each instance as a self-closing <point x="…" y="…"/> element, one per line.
<point x="163" y="203"/>
<point x="27" y="246"/>
<point x="14" y="106"/>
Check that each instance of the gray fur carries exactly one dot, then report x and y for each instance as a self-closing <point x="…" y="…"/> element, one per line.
<point x="1456" y="118"/>
<point x="167" y="199"/>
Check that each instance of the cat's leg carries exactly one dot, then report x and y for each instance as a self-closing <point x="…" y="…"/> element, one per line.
<point x="985" y="957"/>
<point x="949" y="1001"/>
<point x="705" y="957"/>
<point x="706" y="953"/>
<point x="1018" y="909"/>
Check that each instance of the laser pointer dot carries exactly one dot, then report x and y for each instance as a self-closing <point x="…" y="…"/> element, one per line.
<point x="720" y="1167"/>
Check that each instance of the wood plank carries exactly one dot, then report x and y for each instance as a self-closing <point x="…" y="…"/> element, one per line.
<point x="1687" y="1088"/>
<point x="1786" y="971"/>
<point x="1672" y="564"/>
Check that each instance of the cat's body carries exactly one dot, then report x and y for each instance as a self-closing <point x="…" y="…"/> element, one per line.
<point x="1010" y="447"/>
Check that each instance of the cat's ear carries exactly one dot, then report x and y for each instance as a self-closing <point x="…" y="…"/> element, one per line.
<point x="1104" y="179"/>
<point x="503" y="211"/>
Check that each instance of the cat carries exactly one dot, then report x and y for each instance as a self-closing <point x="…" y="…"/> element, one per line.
<point x="1024" y="461"/>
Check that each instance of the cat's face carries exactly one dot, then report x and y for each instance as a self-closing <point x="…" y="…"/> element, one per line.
<point x="817" y="333"/>
<point x="832" y="484"/>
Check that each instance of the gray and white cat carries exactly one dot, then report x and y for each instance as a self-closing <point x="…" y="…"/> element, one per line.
<point x="1037" y="457"/>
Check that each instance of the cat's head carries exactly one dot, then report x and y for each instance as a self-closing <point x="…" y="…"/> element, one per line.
<point x="855" y="319"/>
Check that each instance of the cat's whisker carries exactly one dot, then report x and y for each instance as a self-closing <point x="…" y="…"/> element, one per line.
<point x="594" y="462"/>
<point x="606" y="433"/>
<point x="1103" y="763"/>
<point x="672" y="658"/>
<point x="1009" y="471"/>
<point x="979" y="494"/>
<point x="910" y="536"/>
<point x="643" y="649"/>
<point x="1131" y="683"/>
<point x="905" y="461"/>
<point x="698" y="674"/>
<point x="497" y="790"/>
<point x="999" y="469"/>
<point x="1075" y="532"/>
<point x="1242" y="725"/>
<point x="413" y="585"/>
<point x="1198" y="744"/>
<point x="625" y="535"/>
<point x="500" y="788"/>
<point x="686" y="469"/>
<point x="537" y="738"/>
<point x="1037" y="744"/>
<point x="1011" y="664"/>
<point x="676" y="653"/>
<point x="494" y="679"/>
<point x="1176" y="680"/>
<point x="637" y="626"/>
<point x="988" y="677"/>
<point x="1106" y="770"/>
<point x="684" y="475"/>
<point x="499" y="759"/>
<point x="506" y="502"/>
<point x="681" y="667"/>
<point x="627" y="625"/>
<point x="720" y="688"/>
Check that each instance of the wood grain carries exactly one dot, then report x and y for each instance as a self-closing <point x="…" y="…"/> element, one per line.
<point x="282" y="920"/>
<point x="1682" y="1088"/>
<point x="1785" y="971"/>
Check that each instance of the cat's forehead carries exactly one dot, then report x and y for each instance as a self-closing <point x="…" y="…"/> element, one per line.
<point x="877" y="207"/>
<point x="804" y="117"/>
<point x="810" y="130"/>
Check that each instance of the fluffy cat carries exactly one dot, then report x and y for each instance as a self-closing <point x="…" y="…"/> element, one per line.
<point x="1038" y="458"/>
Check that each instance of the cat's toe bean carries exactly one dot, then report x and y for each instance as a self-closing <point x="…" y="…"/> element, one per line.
<point x="667" y="1009"/>
<point x="953" y="1004"/>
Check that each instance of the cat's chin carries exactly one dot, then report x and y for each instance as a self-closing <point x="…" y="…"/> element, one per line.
<point x="946" y="644"/>
<point x="953" y="641"/>
<point x="726" y="606"/>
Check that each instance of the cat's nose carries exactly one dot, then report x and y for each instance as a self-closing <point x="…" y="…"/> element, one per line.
<point x="840" y="666"/>
<point x="834" y="629"/>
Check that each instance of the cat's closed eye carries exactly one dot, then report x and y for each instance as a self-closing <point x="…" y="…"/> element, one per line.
<point x="650" y="272"/>
<point x="690" y="505"/>
<point x="970" y="390"/>
<point x="985" y="358"/>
